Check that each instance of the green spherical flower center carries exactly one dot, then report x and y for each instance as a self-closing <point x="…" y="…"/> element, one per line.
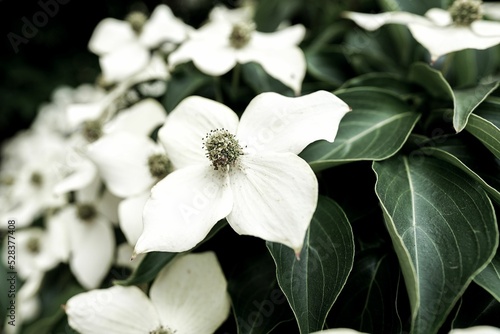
<point x="33" y="245"/>
<point x="222" y="147"/>
<point x="92" y="130"/>
<point x="241" y="34"/>
<point x="137" y="20"/>
<point x="464" y="12"/>
<point x="159" y="165"/>
<point x="86" y="211"/>
<point x="36" y="179"/>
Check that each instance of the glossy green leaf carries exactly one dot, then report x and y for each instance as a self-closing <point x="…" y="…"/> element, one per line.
<point x="375" y="129"/>
<point x="464" y="100"/>
<point x="181" y="85"/>
<point x="484" y="124"/>
<point x="443" y="228"/>
<point x="385" y="81"/>
<point x="326" y="65"/>
<point x="154" y="262"/>
<point x="489" y="278"/>
<point x="373" y="299"/>
<point x="312" y="283"/>
<point x="473" y="160"/>
<point x="259" y="305"/>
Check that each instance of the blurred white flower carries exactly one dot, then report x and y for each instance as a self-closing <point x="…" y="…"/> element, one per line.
<point x="124" y="46"/>
<point x="247" y="171"/>
<point x="476" y="330"/>
<point x="188" y="296"/>
<point x="29" y="173"/>
<point x="230" y="38"/>
<point x="84" y="236"/>
<point x="440" y="31"/>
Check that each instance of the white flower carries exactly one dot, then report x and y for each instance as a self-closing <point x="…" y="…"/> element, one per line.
<point x="440" y="31"/>
<point x="188" y="296"/>
<point x="476" y="330"/>
<point x="220" y="44"/>
<point x="84" y="236"/>
<point x="124" y="46"/>
<point x="247" y="171"/>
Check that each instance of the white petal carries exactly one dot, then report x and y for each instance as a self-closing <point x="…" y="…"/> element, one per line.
<point x="289" y="36"/>
<point x="186" y="126"/>
<point x="183" y="207"/>
<point x="140" y="119"/>
<point x="443" y="40"/>
<point x="80" y="112"/>
<point x="439" y="16"/>
<point x="190" y="294"/>
<point x="83" y="175"/>
<point x="123" y="62"/>
<point x="476" y="330"/>
<point x="130" y="213"/>
<point x="92" y="247"/>
<point x="107" y="205"/>
<point x="375" y="21"/>
<point x="287" y="65"/>
<point x="288" y="124"/>
<point x="58" y="232"/>
<point x="119" y="309"/>
<point x="209" y="56"/>
<point x="492" y="10"/>
<point x="486" y="28"/>
<point x="124" y="254"/>
<point x="338" y="331"/>
<point x="275" y="196"/>
<point x="122" y="159"/>
<point x="161" y="27"/>
<point x="109" y="35"/>
<point x="156" y="69"/>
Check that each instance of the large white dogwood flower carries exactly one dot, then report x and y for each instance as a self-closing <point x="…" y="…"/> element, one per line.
<point x="440" y="31"/>
<point x="188" y="296"/>
<point x="245" y="170"/>
<point x="220" y="44"/>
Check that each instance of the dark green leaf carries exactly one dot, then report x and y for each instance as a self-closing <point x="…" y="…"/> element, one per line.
<point x="258" y="302"/>
<point x="484" y="124"/>
<point x="373" y="299"/>
<point x="489" y="278"/>
<point x="312" y="283"/>
<point x="375" y="129"/>
<point x="473" y="160"/>
<point x="443" y="229"/>
<point x="181" y="85"/>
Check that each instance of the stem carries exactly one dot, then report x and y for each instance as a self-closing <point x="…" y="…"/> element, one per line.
<point x="218" y="90"/>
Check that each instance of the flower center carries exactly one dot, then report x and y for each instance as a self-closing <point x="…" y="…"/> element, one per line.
<point x="92" y="130"/>
<point x="86" y="212"/>
<point x="241" y="34"/>
<point x="464" y="12"/>
<point x="222" y="148"/>
<point x="159" y="165"/>
<point x="36" y="179"/>
<point x="137" y="20"/>
<point x="33" y="245"/>
<point x="161" y="330"/>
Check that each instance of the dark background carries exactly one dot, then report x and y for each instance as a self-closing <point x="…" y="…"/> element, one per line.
<point x="57" y="53"/>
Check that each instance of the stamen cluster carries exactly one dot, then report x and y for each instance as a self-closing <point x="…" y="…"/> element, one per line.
<point x="241" y="34"/>
<point x="222" y="148"/>
<point x="464" y="12"/>
<point x="86" y="212"/>
<point x="159" y="165"/>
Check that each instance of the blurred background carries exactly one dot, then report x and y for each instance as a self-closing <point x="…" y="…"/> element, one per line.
<point x="34" y="62"/>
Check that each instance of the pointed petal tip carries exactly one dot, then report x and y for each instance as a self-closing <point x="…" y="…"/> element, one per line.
<point x="297" y="253"/>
